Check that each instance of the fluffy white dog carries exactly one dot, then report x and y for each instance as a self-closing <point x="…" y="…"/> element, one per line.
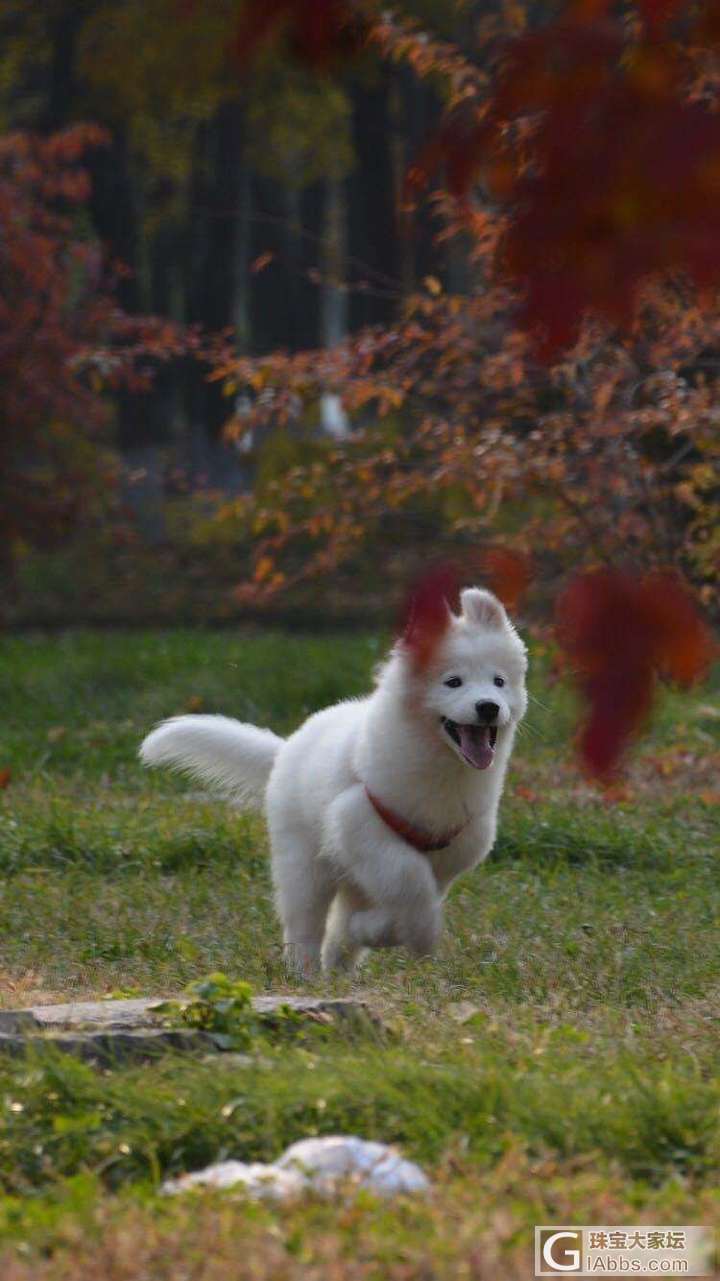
<point x="375" y="805"/>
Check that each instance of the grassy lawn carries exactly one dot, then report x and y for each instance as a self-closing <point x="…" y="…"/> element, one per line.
<point x="556" y="1062"/>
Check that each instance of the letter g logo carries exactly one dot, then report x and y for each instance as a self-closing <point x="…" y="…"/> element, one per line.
<point x="561" y="1258"/>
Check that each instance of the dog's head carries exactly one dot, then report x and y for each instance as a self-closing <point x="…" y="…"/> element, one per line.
<point x="470" y="676"/>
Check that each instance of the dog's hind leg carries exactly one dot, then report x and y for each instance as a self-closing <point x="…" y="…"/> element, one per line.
<point x="304" y="888"/>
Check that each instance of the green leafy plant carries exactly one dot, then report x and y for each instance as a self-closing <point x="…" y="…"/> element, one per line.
<point x="219" y="1006"/>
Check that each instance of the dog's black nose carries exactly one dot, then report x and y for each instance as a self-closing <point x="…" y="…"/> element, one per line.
<point x="487" y="712"/>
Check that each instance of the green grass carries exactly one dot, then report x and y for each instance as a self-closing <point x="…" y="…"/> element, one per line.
<point x="566" y="1030"/>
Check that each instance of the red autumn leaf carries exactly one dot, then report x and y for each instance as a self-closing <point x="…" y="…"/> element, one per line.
<point x="618" y="632"/>
<point x="425" y="616"/>
<point x="634" y="193"/>
<point x="5" y="778"/>
<point x="685" y="645"/>
<point x="608" y="171"/>
<point x="624" y="180"/>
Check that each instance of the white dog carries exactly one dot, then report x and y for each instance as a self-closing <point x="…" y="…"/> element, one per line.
<point x="375" y="805"/>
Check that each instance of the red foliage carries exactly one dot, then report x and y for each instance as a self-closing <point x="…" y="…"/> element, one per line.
<point x="606" y="166"/>
<point x="618" y="632"/>
<point x="624" y="182"/>
<point x="62" y="339"/>
<point x="657" y="13"/>
<point x="319" y="33"/>
<point x="426" y="615"/>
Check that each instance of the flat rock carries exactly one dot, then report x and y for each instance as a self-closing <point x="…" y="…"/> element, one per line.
<point x="133" y="1028"/>
<point x="83" y="1014"/>
<point x="116" y="1045"/>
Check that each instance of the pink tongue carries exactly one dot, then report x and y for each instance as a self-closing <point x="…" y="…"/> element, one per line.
<point x="475" y="746"/>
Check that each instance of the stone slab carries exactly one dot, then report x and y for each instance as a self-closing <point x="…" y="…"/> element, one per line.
<point x="108" y="1047"/>
<point x="132" y="1029"/>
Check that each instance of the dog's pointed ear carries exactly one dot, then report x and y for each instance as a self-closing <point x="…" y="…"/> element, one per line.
<point x="481" y="607"/>
<point x="428" y="615"/>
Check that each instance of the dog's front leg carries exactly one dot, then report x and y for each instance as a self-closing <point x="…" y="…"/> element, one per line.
<point x="465" y="852"/>
<point x="395" y="880"/>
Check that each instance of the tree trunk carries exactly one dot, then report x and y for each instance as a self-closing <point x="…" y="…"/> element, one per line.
<point x="374" y="259"/>
<point x="334" y="297"/>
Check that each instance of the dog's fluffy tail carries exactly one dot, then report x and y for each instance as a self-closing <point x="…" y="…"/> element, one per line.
<point x="235" y="757"/>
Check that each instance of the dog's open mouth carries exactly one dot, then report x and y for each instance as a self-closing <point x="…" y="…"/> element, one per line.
<point x="476" y="742"/>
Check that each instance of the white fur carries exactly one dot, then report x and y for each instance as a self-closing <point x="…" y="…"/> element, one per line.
<point x="217" y="749"/>
<point x="343" y="879"/>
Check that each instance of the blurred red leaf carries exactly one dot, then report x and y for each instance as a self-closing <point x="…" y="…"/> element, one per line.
<point x="508" y="574"/>
<point x="5" y="778"/>
<point x="657" y="13"/>
<point x="685" y="645"/>
<point x="608" y="170"/>
<point x="707" y="27"/>
<point x="618" y="632"/>
<point x="425" y="617"/>
<point x="319" y="33"/>
<point x="634" y="193"/>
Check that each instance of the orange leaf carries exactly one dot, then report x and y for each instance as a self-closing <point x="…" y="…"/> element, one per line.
<point x="263" y="569"/>
<point x="261" y="262"/>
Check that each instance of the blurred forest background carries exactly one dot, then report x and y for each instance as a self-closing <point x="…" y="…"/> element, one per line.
<point x="325" y="378"/>
<point x="261" y="200"/>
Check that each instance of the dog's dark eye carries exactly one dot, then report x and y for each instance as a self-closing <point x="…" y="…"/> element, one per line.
<point x="454" y="683"/>
<point x="499" y="681"/>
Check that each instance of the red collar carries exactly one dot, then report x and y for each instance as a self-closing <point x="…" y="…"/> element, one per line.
<point x="420" y="841"/>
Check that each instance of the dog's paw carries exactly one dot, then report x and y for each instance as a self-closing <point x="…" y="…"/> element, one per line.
<point x="420" y="930"/>
<point x="302" y="960"/>
<point x="372" y="927"/>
